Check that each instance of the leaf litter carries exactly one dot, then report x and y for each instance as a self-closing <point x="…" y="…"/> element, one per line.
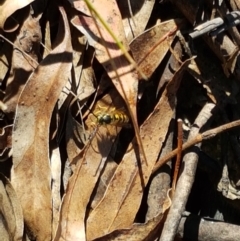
<point x="72" y="96"/>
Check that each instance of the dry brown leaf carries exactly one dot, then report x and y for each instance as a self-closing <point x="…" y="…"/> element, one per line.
<point x="125" y="199"/>
<point x="31" y="174"/>
<point x="149" y="48"/>
<point x="28" y="41"/>
<point x="8" y="8"/>
<point x="147" y="231"/>
<point x="78" y="192"/>
<point x="89" y="164"/>
<point x="11" y="211"/>
<point x="141" y="10"/>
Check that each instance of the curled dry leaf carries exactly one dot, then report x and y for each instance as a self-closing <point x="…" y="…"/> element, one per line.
<point x="8" y="8"/>
<point x="11" y="211"/>
<point x="31" y="157"/>
<point x="126" y="198"/>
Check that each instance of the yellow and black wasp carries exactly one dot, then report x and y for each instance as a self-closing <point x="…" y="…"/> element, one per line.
<point x="109" y="117"/>
<point x="113" y="117"/>
<point x="106" y="112"/>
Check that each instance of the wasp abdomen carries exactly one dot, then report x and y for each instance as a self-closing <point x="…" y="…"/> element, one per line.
<point x="120" y="118"/>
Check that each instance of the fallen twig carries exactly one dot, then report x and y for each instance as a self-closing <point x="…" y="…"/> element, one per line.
<point x="193" y="227"/>
<point x="197" y="139"/>
<point x="186" y="179"/>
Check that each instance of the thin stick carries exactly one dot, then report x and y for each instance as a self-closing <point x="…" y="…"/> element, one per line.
<point x="179" y="154"/>
<point x="199" y="138"/>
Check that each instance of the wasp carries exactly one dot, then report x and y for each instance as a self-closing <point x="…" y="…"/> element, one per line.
<point x="113" y="117"/>
<point x="109" y="114"/>
<point x="110" y="117"/>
